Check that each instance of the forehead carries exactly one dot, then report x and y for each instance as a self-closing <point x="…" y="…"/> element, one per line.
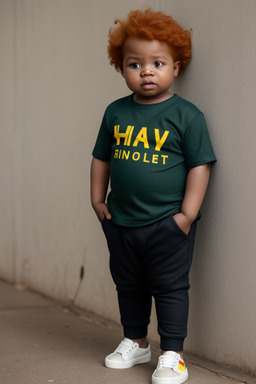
<point x="136" y="47"/>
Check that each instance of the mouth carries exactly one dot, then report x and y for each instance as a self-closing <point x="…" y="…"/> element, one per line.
<point x="148" y="85"/>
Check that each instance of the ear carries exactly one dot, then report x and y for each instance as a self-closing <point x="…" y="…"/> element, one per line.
<point x="176" y="67"/>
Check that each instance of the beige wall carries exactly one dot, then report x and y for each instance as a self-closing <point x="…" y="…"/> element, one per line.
<point x="55" y="84"/>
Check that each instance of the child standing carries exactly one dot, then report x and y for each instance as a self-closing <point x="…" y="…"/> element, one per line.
<point x="155" y="148"/>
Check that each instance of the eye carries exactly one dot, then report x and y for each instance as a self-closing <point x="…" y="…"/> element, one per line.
<point x="134" y="65"/>
<point x="158" y="64"/>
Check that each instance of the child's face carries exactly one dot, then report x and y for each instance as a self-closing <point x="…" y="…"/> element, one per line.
<point x="148" y="69"/>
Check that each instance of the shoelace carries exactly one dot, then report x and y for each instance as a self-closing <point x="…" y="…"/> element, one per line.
<point x="125" y="348"/>
<point x="168" y="360"/>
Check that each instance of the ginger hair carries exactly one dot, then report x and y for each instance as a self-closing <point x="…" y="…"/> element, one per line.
<point x="149" y="25"/>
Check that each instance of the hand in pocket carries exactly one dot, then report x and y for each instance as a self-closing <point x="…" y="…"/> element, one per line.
<point x="183" y="222"/>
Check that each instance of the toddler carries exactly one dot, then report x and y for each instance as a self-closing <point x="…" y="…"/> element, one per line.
<point x="155" y="149"/>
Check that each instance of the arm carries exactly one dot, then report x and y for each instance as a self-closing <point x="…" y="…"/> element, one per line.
<point x="100" y="171"/>
<point x="197" y="181"/>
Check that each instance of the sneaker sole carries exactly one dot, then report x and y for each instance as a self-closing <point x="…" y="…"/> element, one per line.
<point x="128" y="364"/>
<point x="170" y="380"/>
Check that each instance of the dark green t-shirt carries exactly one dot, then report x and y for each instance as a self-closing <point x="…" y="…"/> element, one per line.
<point x="151" y="148"/>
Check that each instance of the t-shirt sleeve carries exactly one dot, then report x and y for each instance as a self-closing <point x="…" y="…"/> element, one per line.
<point x="197" y="144"/>
<point x="102" y="148"/>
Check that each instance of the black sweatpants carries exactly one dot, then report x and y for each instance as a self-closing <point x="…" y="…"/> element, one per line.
<point x="153" y="260"/>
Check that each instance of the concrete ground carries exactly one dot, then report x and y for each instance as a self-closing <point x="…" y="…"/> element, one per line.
<point x="45" y="342"/>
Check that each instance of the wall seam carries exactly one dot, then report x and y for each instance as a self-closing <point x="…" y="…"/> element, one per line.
<point x="16" y="149"/>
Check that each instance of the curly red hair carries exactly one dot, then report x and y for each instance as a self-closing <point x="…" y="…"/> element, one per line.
<point x="149" y="25"/>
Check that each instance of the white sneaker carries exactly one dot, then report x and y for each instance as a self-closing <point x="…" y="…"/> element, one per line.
<point x="170" y="369"/>
<point x="127" y="355"/>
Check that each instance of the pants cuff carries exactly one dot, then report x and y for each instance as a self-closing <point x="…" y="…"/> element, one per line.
<point x="135" y="333"/>
<point x="171" y="345"/>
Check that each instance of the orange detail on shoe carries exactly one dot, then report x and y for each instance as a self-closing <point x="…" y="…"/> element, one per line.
<point x="181" y="366"/>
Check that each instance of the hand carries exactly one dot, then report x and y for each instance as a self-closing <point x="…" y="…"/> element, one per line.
<point x="183" y="222"/>
<point x="101" y="210"/>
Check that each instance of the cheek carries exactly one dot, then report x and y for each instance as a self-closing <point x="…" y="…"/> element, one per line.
<point x="131" y="73"/>
<point x="131" y="78"/>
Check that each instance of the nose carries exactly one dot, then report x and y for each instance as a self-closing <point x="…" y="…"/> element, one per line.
<point x="147" y="72"/>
